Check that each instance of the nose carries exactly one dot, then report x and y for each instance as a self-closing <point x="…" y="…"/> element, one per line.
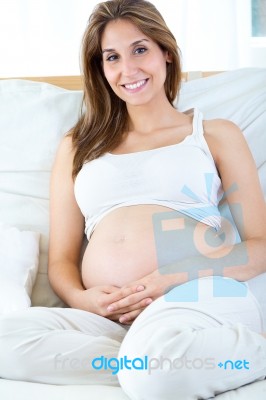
<point x="129" y="67"/>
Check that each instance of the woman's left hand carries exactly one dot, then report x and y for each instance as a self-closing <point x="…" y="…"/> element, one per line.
<point x="155" y="285"/>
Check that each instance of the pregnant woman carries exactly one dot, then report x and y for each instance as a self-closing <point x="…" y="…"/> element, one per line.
<point x="144" y="180"/>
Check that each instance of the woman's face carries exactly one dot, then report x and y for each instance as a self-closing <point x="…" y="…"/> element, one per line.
<point x="133" y="64"/>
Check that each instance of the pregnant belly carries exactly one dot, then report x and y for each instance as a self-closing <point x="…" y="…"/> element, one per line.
<point x="126" y="245"/>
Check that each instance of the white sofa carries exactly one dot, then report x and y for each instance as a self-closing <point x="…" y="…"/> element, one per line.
<point x="33" y="118"/>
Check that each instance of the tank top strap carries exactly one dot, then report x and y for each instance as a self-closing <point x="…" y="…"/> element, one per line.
<point x="198" y="133"/>
<point x="198" y="123"/>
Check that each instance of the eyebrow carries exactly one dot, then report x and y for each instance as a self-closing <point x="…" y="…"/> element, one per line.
<point x="132" y="44"/>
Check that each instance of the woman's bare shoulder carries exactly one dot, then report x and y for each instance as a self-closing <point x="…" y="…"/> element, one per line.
<point x="221" y="128"/>
<point x="66" y="146"/>
<point x="222" y="134"/>
<point x="63" y="161"/>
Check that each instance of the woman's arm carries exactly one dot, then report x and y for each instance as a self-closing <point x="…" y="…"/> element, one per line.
<point x="66" y="228"/>
<point x="246" y="201"/>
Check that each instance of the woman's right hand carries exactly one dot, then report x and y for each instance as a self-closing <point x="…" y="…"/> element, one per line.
<point x="98" y="298"/>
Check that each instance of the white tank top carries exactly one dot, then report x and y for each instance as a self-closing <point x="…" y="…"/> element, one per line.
<point x="182" y="177"/>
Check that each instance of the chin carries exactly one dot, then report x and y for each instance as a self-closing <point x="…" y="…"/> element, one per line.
<point x="138" y="102"/>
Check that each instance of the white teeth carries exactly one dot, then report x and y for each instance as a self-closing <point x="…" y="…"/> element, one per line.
<point x="135" y="85"/>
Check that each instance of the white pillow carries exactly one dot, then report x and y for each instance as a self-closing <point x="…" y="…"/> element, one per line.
<point x="34" y="116"/>
<point x="19" y="258"/>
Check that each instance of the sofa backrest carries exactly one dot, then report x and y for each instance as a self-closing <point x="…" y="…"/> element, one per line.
<point x="34" y="117"/>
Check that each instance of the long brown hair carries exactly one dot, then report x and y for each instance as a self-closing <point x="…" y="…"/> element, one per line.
<point x="101" y="126"/>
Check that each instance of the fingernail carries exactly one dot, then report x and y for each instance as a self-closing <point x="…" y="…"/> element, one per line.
<point x="149" y="301"/>
<point x="122" y="319"/>
<point x="110" y="308"/>
<point x="140" y="288"/>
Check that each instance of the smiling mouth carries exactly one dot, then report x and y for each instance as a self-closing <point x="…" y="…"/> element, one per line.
<point x="136" y="85"/>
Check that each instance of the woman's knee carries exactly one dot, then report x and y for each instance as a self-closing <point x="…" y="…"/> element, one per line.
<point x="151" y="360"/>
<point x="159" y="382"/>
<point x="182" y="360"/>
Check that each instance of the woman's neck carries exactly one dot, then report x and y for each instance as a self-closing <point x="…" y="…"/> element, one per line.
<point x="151" y="116"/>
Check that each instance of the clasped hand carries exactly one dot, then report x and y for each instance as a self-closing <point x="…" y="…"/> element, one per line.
<point x="126" y="303"/>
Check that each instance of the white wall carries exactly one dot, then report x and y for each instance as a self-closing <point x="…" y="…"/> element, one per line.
<point x="42" y="37"/>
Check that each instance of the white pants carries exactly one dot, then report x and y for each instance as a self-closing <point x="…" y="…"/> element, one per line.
<point x="176" y="349"/>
